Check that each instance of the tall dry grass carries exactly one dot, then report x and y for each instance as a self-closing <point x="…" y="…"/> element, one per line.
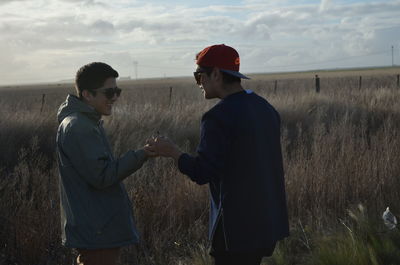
<point x="340" y="149"/>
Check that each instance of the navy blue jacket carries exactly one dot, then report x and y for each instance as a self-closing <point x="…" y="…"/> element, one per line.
<point x="239" y="156"/>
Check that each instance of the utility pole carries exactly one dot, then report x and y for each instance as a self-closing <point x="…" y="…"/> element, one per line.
<point x="135" y="64"/>
<point x="392" y="56"/>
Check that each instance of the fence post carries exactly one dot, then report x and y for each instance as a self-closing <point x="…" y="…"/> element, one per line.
<point x="275" y="86"/>
<point x="43" y="99"/>
<point x="170" y="95"/>
<point x="360" y="83"/>
<point x="317" y="84"/>
<point x="398" y="80"/>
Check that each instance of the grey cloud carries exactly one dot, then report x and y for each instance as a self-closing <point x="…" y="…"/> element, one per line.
<point x="56" y="33"/>
<point x="12" y="63"/>
<point x="123" y="59"/>
<point x="256" y="31"/>
<point x="264" y="25"/>
<point x="226" y="9"/>
<point x="364" y="9"/>
<point x="7" y="29"/>
<point x="3" y="2"/>
<point x="86" y="2"/>
<point x="103" y="27"/>
<point x="325" y="4"/>
<point x="170" y="30"/>
<point x="383" y="39"/>
<point x="8" y="16"/>
<point x="38" y="43"/>
<point x="336" y="32"/>
<point x="150" y="25"/>
<point x="334" y="21"/>
<point x="274" y="36"/>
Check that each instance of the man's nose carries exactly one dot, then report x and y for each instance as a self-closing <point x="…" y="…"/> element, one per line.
<point x="115" y="97"/>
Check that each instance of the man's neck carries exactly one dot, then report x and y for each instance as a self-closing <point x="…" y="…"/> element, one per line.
<point x="230" y="89"/>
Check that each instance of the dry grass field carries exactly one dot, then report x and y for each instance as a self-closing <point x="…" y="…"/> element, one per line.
<point x="340" y="146"/>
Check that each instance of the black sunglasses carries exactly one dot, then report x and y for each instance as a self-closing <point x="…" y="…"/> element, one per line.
<point x="109" y="92"/>
<point x="197" y="74"/>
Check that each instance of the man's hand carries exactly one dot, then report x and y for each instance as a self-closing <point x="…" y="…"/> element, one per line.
<point x="149" y="150"/>
<point x="162" y="146"/>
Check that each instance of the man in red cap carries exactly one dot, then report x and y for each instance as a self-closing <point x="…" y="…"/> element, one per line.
<point x="239" y="156"/>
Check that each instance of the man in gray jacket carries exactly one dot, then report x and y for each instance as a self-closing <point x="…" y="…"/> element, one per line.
<point x="96" y="213"/>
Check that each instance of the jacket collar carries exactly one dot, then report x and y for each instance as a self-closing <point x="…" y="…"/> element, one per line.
<point x="73" y="105"/>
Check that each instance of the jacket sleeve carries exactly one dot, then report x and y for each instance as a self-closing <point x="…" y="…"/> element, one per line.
<point x="211" y="153"/>
<point x="88" y="155"/>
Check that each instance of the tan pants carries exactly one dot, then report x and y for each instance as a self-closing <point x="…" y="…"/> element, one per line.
<point x="108" y="256"/>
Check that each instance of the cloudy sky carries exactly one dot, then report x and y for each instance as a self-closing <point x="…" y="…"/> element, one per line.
<point x="48" y="40"/>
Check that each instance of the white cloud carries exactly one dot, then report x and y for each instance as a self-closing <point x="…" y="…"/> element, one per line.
<point x="3" y="2"/>
<point x="324" y="5"/>
<point x="60" y="35"/>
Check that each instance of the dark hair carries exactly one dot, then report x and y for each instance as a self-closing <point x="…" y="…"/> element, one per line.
<point x="226" y="78"/>
<point x="92" y="76"/>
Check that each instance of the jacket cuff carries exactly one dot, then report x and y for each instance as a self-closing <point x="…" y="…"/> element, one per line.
<point x="184" y="164"/>
<point x="130" y="162"/>
<point x="141" y="155"/>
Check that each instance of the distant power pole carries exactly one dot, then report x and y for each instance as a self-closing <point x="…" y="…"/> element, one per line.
<point x="392" y="56"/>
<point x="135" y="64"/>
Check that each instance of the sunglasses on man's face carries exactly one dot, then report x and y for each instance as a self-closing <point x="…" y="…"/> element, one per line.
<point x="109" y="92"/>
<point x="197" y="75"/>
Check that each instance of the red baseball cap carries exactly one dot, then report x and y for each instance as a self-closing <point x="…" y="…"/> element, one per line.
<point x="224" y="57"/>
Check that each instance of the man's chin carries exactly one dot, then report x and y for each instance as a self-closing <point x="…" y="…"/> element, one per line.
<point x="107" y="113"/>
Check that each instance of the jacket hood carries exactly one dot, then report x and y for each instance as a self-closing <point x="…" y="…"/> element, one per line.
<point x="73" y="105"/>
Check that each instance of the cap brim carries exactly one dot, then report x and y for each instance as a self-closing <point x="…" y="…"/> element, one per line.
<point x="234" y="73"/>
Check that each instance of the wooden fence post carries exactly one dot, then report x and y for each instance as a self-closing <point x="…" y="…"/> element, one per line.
<point x="43" y="99"/>
<point x="170" y="95"/>
<point x="360" y="83"/>
<point x="275" y="86"/>
<point x="317" y="84"/>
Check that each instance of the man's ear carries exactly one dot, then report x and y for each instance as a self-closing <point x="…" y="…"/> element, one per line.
<point x="86" y="95"/>
<point x="216" y="73"/>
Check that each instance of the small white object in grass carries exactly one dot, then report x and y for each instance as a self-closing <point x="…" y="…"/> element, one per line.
<point x="389" y="219"/>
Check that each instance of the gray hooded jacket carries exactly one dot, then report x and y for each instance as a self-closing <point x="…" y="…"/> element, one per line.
<point x="95" y="209"/>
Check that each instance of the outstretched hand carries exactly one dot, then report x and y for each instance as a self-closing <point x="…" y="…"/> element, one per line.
<point x="150" y="150"/>
<point x="162" y="146"/>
